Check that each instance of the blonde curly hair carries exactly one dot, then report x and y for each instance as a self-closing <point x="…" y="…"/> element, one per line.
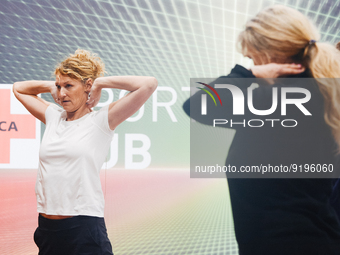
<point x="81" y="65"/>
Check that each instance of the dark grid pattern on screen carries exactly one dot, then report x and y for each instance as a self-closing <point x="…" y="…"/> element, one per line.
<point x="172" y="40"/>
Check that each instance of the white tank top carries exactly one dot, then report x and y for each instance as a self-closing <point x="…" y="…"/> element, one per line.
<point x="70" y="158"/>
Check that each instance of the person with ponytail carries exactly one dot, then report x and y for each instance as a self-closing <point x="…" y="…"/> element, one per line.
<point x="281" y="216"/>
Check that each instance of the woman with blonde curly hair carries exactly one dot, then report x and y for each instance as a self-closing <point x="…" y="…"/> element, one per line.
<point x="74" y="147"/>
<point x="289" y="215"/>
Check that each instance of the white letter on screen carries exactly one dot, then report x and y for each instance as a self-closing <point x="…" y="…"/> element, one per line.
<point x="143" y="151"/>
<point x="166" y="105"/>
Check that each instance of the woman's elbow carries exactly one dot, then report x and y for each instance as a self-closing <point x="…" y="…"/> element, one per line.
<point x="15" y="88"/>
<point x="152" y="83"/>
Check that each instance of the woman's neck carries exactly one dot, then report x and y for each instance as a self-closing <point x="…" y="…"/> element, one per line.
<point x="77" y="114"/>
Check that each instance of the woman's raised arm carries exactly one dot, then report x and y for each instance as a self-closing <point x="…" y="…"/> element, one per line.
<point x="27" y="93"/>
<point x="140" y="87"/>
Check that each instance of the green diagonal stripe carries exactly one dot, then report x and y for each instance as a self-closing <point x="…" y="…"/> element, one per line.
<point x="209" y="95"/>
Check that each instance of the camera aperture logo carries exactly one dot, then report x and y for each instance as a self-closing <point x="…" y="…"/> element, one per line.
<point x="204" y="97"/>
<point x="238" y="99"/>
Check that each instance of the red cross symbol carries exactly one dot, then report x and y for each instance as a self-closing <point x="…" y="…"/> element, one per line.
<point x="12" y="126"/>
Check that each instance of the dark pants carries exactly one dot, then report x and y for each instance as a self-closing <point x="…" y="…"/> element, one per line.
<point x="78" y="235"/>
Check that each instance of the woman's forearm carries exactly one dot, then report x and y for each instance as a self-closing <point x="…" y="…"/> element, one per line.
<point x="33" y="87"/>
<point x="130" y="83"/>
<point x="141" y="87"/>
<point x="27" y="93"/>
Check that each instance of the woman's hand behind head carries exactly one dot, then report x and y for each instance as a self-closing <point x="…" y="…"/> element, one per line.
<point x="274" y="70"/>
<point x="54" y="94"/>
<point x="94" y="95"/>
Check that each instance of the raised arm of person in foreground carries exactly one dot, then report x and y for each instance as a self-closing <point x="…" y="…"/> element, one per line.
<point x="27" y="93"/>
<point x="140" y="87"/>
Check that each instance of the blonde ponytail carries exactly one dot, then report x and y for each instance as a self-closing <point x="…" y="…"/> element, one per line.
<point x="324" y="62"/>
<point x="280" y="34"/>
